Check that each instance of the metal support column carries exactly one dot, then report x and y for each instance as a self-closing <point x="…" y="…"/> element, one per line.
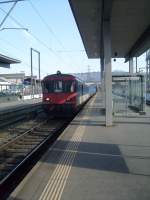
<point x="108" y="72"/>
<point x="136" y="64"/>
<point x="148" y="72"/>
<point x="130" y="82"/>
<point x="39" y="84"/>
<point x="33" y="85"/>
<point x="102" y="69"/>
<point x="32" y="89"/>
<point x="102" y="74"/>
<point x="131" y="70"/>
<point x="102" y="81"/>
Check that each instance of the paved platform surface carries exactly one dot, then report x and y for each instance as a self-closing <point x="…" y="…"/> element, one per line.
<point x="92" y="162"/>
<point x="16" y="104"/>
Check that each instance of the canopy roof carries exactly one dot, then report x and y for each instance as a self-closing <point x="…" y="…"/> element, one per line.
<point x="130" y="25"/>
<point x="5" y="61"/>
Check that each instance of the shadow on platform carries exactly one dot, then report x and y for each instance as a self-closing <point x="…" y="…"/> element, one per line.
<point x="96" y="156"/>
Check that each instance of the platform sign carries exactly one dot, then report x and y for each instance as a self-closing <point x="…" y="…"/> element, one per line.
<point x="127" y="78"/>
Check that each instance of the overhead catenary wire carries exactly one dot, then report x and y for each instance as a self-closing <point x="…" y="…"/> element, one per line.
<point x="54" y="52"/>
<point x="45" y="23"/>
<point x="8" y="13"/>
<point x="70" y="51"/>
<point x="10" y="1"/>
<point x="35" y="37"/>
<point x="21" y="50"/>
<point x="51" y="31"/>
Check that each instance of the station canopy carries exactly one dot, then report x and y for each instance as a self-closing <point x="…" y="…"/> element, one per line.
<point x="130" y="25"/>
<point x="5" y="61"/>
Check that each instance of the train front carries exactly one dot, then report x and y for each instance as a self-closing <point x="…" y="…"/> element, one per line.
<point x="59" y="94"/>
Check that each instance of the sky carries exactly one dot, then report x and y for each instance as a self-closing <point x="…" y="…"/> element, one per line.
<point x="52" y="31"/>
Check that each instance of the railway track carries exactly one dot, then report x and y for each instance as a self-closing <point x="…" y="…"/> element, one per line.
<point x="14" y="115"/>
<point x="10" y="132"/>
<point x="24" y="147"/>
<point x="16" y="154"/>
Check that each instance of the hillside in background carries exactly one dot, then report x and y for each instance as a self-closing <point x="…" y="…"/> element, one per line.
<point x="95" y="76"/>
<point x="89" y="76"/>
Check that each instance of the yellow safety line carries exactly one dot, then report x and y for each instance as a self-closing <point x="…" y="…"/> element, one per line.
<point x="59" y="168"/>
<point x="60" y="174"/>
<point x="57" y="181"/>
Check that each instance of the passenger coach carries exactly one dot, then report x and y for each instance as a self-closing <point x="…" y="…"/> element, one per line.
<point x="65" y="93"/>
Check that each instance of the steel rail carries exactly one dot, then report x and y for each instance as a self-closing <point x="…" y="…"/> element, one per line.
<point x="20" y="136"/>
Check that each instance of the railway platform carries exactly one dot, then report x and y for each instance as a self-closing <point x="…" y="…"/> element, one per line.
<point x="11" y="106"/>
<point x="93" y="162"/>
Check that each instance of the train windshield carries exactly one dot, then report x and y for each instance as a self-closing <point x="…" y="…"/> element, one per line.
<point x="58" y="86"/>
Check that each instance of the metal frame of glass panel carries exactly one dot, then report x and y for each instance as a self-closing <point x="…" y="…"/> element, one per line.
<point x="128" y="93"/>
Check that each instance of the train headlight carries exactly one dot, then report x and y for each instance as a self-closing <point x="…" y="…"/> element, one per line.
<point x="47" y="99"/>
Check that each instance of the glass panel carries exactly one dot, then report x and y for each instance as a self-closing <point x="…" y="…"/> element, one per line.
<point x="128" y="94"/>
<point x="58" y="86"/>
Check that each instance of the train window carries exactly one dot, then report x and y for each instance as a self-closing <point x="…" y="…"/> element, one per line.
<point x="45" y="87"/>
<point x="69" y="86"/>
<point x="51" y="86"/>
<point x="72" y="88"/>
<point x="82" y="89"/>
<point x="58" y="86"/>
<point x="79" y="87"/>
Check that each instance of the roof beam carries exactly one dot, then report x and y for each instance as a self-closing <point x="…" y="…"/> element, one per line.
<point x="106" y="16"/>
<point x="107" y="7"/>
<point x="142" y="43"/>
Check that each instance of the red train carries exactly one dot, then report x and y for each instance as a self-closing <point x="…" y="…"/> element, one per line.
<point x="64" y="93"/>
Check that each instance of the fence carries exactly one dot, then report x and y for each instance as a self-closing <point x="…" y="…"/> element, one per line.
<point x="14" y="92"/>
